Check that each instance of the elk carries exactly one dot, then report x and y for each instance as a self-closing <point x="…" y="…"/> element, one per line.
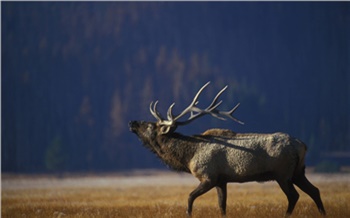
<point x="219" y="156"/>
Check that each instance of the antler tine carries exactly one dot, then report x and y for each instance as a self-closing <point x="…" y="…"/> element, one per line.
<point x="170" y="113"/>
<point x="212" y="110"/>
<point x="215" y="113"/>
<point x="193" y="103"/>
<point x="213" y="105"/>
<point x="154" y="111"/>
<point x="209" y="109"/>
<point x="216" y="98"/>
<point x="201" y="113"/>
<point x="229" y="114"/>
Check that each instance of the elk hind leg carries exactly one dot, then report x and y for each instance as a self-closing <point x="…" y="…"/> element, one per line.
<point x="222" y="196"/>
<point x="303" y="183"/>
<point x="292" y="195"/>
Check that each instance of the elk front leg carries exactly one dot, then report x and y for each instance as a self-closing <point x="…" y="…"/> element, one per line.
<point x="203" y="187"/>
<point x="222" y="196"/>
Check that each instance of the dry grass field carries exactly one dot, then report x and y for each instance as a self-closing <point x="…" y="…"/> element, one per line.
<point x="159" y="195"/>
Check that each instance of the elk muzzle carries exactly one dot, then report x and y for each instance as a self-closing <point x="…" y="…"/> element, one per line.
<point x="133" y="126"/>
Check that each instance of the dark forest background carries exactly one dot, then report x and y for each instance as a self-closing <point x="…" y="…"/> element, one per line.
<point x="73" y="74"/>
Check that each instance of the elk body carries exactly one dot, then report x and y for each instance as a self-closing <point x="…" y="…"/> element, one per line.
<point x="220" y="156"/>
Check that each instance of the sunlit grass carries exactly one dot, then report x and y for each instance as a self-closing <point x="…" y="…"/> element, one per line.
<point x="154" y="200"/>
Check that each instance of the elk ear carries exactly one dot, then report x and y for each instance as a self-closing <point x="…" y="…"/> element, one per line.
<point x="164" y="129"/>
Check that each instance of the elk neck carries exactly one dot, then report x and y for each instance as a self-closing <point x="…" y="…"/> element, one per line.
<point x="176" y="150"/>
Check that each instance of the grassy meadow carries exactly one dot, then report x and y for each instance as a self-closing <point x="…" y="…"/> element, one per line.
<point x="159" y="195"/>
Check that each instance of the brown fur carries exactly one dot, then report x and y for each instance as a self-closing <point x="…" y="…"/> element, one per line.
<point x="177" y="150"/>
<point x="220" y="132"/>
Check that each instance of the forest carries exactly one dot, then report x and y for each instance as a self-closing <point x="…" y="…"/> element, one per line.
<point x="73" y="74"/>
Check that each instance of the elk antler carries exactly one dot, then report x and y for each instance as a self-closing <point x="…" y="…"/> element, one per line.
<point x="195" y="111"/>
